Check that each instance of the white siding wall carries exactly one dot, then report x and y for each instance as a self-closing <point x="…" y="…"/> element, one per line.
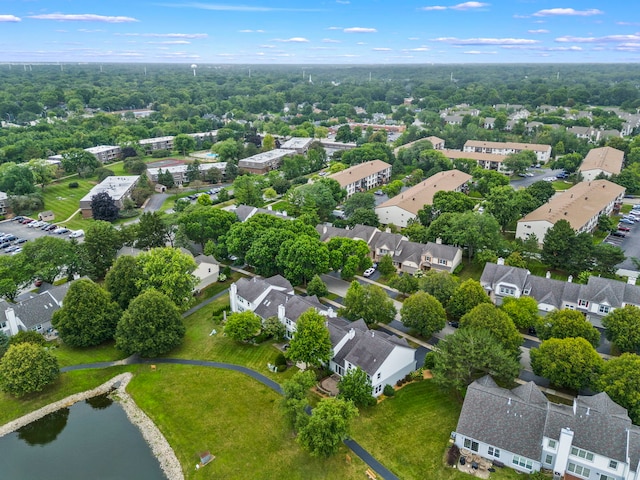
<point x="540" y="227"/>
<point x="394" y="214"/>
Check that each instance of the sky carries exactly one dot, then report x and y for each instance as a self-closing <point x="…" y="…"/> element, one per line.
<point x="320" y="31"/>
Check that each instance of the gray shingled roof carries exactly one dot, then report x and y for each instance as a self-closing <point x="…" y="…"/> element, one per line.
<point x="503" y="418"/>
<point x="60" y="291"/>
<point x="494" y="274"/>
<point x="297" y="305"/>
<point x="243" y="212"/>
<point x="251" y="288"/>
<point x="269" y="305"/>
<point x="37" y="310"/>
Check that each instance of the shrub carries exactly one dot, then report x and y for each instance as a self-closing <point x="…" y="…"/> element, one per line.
<point x="27" y="336"/>
<point x="389" y="391"/>
<point x="417" y="375"/>
<point x="73" y="185"/>
<point x="280" y="360"/>
<point x="161" y="153"/>
<point x="226" y="270"/>
<point x="429" y="360"/>
<point x="453" y="455"/>
<point x="281" y="368"/>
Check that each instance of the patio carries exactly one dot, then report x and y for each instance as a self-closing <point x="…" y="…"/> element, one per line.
<point x="474" y="464"/>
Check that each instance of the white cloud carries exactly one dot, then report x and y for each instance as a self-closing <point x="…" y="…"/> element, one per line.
<point x="360" y="30"/>
<point x="459" y="6"/>
<point x="567" y="11"/>
<point x="413" y="38"/>
<point x="248" y="30"/>
<point x="89" y="30"/>
<point x="540" y="30"/>
<point x="330" y="40"/>
<point x="235" y="8"/>
<point x="334" y="28"/>
<point x="478" y="52"/>
<point x="633" y="24"/>
<point x="628" y="47"/>
<point x="171" y="42"/>
<point x="9" y="18"/>
<point x="165" y="35"/>
<point x="486" y="41"/>
<point x="361" y="43"/>
<point x="381" y="49"/>
<point x="605" y="39"/>
<point x="420" y="49"/>
<point x="267" y="46"/>
<point x="573" y="48"/>
<point x="85" y="17"/>
<point x="291" y="40"/>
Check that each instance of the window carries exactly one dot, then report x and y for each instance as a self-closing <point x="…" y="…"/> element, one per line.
<point x="494" y="452"/>
<point x="378" y="389"/>
<point x="603" y="309"/>
<point x="3" y="324"/>
<point x="379" y="376"/>
<point x="583" y="303"/>
<point x="468" y="443"/>
<point x="442" y="261"/>
<point x="606" y="477"/>
<point x="548" y="459"/>
<point x="613" y="465"/>
<point x="507" y="291"/>
<point x="383" y="251"/>
<point x="578" y="452"/>
<point x="579" y="470"/>
<point x="551" y="443"/>
<point x="522" y="462"/>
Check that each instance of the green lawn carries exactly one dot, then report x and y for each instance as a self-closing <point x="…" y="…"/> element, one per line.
<point x="67" y="384"/>
<point x="62" y="200"/>
<point x="409" y="433"/>
<point x="237" y="419"/>
<point x="106" y="352"/>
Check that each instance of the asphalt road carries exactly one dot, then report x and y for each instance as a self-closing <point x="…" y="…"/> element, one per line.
<point x="538" y="174"/>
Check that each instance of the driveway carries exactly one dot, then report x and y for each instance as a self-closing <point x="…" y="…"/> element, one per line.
<point x="538" y="174"/>
<point x="155" y="202"/>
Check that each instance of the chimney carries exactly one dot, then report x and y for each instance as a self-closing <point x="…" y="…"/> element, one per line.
<point x="439" y="241"/>
<point x="632" y="280"/>
<point x="570" y="279"/>
<point x="575" y="406"/>
<point x="500" y="261"/>
<point x="373" y="333"/>
<point x="548" y="274"/>
<point x="351" y="334"/>
<point x="588" y="411"/>
<point x="269" y="207"/>
<point x="509" y="402"/>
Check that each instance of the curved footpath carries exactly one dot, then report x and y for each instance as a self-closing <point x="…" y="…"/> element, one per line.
<point x="143" y="425"/>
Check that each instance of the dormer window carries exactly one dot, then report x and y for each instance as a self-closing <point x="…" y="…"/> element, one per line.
<point x="604" y="309"/>
<point x="583" y="303"/>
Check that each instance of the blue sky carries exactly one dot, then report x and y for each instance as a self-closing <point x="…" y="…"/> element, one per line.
<point x="319" y="31"/>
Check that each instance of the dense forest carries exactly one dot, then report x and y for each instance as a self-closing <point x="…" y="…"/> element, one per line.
<point x="77" y="99"/>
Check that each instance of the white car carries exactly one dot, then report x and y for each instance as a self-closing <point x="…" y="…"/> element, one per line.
<point x="76" y="234"/>
<point x="369" y="271"/>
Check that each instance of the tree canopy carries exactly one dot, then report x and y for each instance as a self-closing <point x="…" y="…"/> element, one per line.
<point x="327" y="427"/>
<point x="486" y="316"/>
<point x="369" y="302"/>
<point x="567" y="323"/>
<point x="355" y="385"/>
<point x="311" y="342"/>
<point x="27" y="368"/>
<point x="466" y="296"/>
<point x="242" y="326"/>
<point x="424" y="313"/>
<point x="622" y="327"/>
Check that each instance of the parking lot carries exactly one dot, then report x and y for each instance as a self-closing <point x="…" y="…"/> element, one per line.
<point x="630" y="244"/>
<point x="23" y="232"/>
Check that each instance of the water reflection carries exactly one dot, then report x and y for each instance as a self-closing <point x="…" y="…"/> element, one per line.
<point x="100" y="402"/>
<point x="46" y="429"/>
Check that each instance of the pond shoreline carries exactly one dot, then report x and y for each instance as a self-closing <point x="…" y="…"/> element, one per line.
<point x="117" y="386"/>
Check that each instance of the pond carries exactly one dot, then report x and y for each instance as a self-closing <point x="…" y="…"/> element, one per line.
<point x="91" y="439"/>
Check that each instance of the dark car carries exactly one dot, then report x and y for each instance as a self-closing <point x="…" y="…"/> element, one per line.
<point x="532" y="331"/>
<point x="17" y="219"/>
<point x="454" y="324"/>
<point x="619" y="234"/>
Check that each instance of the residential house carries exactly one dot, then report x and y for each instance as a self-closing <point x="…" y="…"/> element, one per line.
<point x="586" y="133"/>
<point x="264" y="162"/>
<point x="385" y="358"/>
<point x="179" y="172"/>
<point x="543" y="152"/>
<point x="105" y="153"/>
<point x="408" y="257"/>
<point x="3" y="203"/>
<point x="489" y="123"/>
<point x="581" y="205"/>
<point x="33" y="313"/>
<point x="596" y="299"/>
<point x="488" y="161"/>
<point x="363" y="176"/>
<point x="438" y="144"/>
<point x="245" y="212"/>
<point x="453" y="119"/>
<point x="604" y="160"/>
<point x="118" y="188"/>
<point x="406" y="205"/>
<point x="531" y="127"/>
<point x="520" y="428"/>
<point x="206" y="272"/>
<point x="158" y="143"/>
<point x="299" y="144"/>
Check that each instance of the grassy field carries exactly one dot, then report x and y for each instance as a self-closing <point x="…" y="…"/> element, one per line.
<point x="62" y="200"/>
<point x="106" y="352"/>
<point x="237" y="419"/>
<point x="67" y="384"/>
<point x="408" y="433"/>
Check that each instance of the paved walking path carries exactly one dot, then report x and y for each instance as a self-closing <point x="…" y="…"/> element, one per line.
<point x="136" y="360"/>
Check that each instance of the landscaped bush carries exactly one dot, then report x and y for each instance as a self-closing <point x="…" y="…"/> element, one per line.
<point x="453" y="455"/>
<point x="416" y="375"/>
<point x="73" y="185"/>
<point x="281" y="368"/>
<point x="161" y="153"/>
<point x="429" y="360"/>
<point x="388" y="391"/>
<point x="280" y="360"/>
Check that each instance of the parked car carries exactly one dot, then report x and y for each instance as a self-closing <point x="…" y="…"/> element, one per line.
<point x="454" y="324"/>
<point x="35" y="224"/>
<point x="20" y="241"/>
<point x="627" y="221"/>
<point x="27" y="220"/>
<point x="44" y="225"/>
<point x="10" y="238"/>
<point x="12" y="249"/>
<point x="50" y="227"/>
<point x="76" y="234"/>
<point x="60" y="230"/>
<point x="369" y="271"/>
<point x="623" y="228"/>
<point x="619" y="234"/>
<point x="17" y="219"/>
<point x="16" y="251"/>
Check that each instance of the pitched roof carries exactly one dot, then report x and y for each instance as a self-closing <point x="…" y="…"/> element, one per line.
<point x="477" y="156"/>
<point x="578" y="205"/>
<point x="607" y="159"/>
<point x="536" y="147"/>
<point x="510" y="420"/>
<point x="358" y="172"/>
<point x="251" y="288"/>
<point x="37" y="310"/>
<point x="416" y="197"/>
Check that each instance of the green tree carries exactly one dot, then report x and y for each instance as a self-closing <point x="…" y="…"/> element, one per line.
<point x="393" y="188"/>
<point x="457" y="202"/>
<point x="151" y="326"/>
<point x="4" y="344"/>
<point x="606" y="258"/>
<point x="424" y="313"/>
<point x="88" y="316"/>
<point x="317" y="287"/>
<point x="523" y="311"/>
<point x="247" y="189"/>
<point x="311" y="343"/>
<point x="469" y="229"/>
<point x="567" y="323"/>
<point x="79" y="161"/>
<point x="358" y="200"/>
<point x="47" y="257"/>
<point x="620" y="380"/>
<point x="487" y="180"/>
<point x="102" y="242"/>
<point x="622" y="327"/>
<point x="327" y="427"/>
<point x="165" y="178"/>
<point x="314" y="197"/>
<point x="341" y="249"/>
<point x="43" y="172"/>
<point x="405" y="284"/>
<point x="27" y="368"/>
<point x="469" y="354"/>
<point x="541" y="192"/>
<point x="567" y="362"/>
<point x="27" y="336"/>
<point x="152" y="230"/>
<point x="386" y="266"/>
<point x="15" y="273"/>
<point x="302" y="258"/>
<point x="363" y="216"/>
<point x="468" y="294"/>
<point x="439" y="284"/>
<point x="295" y="392"/>
<point x="201" y="223"/>
<point x="122" y="280"/>
<point x="519" y="162"/>
<point x="504" y="204"/>
<point x="274" y="328"/>
<point x="369" y="303"/>
<point x="169" y="271"/>
<point x="265" y="249"/>
<point x="242" y="326"/>
<point x="268" y="143"/>
<point x="16" y="179"/>
<point x="486" y="316"/>
<point x="355" y="385"/>
<point x="558" y="244"/>
<point x="184" y="144"/>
